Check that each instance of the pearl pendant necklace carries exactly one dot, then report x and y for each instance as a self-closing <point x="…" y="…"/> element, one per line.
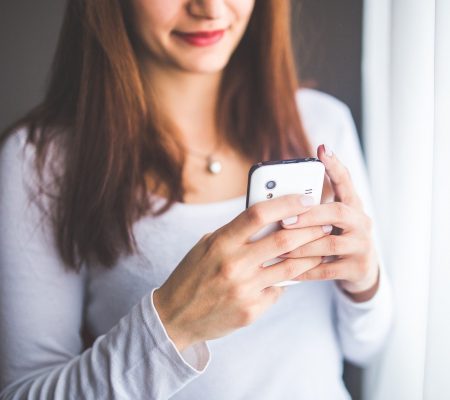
<point x="214" y="166"/>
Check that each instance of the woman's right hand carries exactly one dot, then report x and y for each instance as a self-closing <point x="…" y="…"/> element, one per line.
<point x="220" y="284"/>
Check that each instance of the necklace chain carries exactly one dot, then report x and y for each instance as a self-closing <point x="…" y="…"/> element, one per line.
<point x="203" y="155"/>
<point x="213" y="166"/>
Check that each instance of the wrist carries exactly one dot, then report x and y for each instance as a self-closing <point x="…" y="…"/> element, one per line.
<point x="362" y="291"/>
<point x="173" y="331"/>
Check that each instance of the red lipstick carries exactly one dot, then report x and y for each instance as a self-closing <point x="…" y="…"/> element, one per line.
<point x="202" y="38"/>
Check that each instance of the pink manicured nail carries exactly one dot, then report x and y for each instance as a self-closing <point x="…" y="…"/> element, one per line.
<point x="327" y="228"/>
<point x="328" y="151"/>
<point x="290" y="220"/>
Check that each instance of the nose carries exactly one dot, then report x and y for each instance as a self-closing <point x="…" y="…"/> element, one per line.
<point x="210" y="9"/>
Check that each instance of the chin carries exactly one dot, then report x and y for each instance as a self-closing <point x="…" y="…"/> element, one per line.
<point x="204" y="65"/>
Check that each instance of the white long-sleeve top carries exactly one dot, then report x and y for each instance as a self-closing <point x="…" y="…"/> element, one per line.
<point x="294" y="350"/>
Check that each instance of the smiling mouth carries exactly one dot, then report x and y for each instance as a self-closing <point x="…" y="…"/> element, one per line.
<point x="201" y="38"/>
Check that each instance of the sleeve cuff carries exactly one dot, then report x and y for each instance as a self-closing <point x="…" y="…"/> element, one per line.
<point x="379" y="296"/>
<point x="192" y="361"/>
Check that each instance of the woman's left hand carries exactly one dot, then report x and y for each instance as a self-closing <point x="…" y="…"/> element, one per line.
<point x="356" y="265"/>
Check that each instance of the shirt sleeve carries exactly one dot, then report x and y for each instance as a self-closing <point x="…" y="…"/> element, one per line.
<point x="362" y="327"/>
<point x="41" y="315"/>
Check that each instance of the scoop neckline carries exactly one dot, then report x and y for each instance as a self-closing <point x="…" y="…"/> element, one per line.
<point x="210" y="204"/>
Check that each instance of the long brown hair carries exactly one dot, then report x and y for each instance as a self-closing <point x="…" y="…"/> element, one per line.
<point x="111" y="136"/>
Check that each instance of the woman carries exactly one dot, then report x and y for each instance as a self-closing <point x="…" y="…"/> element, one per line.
<point x="136" y="233"/>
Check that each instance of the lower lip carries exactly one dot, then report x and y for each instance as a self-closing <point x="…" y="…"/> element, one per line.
<point x="201" y="39"/>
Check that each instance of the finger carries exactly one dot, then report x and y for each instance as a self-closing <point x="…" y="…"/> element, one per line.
<point x="340" y="269"/>
<point x="272" y="293"/>
<point x="286" y="270"/>
<point x="269" y="296"/>
<point x="337" y="214"/>
<point x="280" y="242"/>
<point x="263" y="213"/>
<point x="331" y="245"/>
<point x="339" y="176"/>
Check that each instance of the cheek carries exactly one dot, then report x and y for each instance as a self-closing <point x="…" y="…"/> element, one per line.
<point x="242" y="8"/>
<point x="155" y="17"/>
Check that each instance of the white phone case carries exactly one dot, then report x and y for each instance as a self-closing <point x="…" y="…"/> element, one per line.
<point x="294" y="176"/>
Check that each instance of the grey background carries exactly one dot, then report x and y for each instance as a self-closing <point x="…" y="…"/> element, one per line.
<point x="327" y="37"/>
<point x="28" y="33"/>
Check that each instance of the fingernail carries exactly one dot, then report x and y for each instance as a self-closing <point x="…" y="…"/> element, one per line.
<point x="307" y="201"/>
<point x="327" y="228"/>
<point x="290" y="220"/>
<point x="328" y="151"/>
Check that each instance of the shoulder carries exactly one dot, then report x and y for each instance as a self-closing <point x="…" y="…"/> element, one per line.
<point x="312" y="100"/>
<point x="13" y="153"/>
<point x="14" y="141"/>
<point x="17" y="158"/>
<point x="16" y="174"/>
<point x="19" y="174"/>
<point x="326" y="119"/>
<point x="17" y="147"/>
<point x="26" y="194"/>
<point x="321" y="108"/>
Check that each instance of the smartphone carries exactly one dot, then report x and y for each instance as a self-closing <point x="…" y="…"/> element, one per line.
<point x="271" y="179"/>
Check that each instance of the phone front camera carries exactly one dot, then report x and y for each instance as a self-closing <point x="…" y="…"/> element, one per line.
<point x="270" y="184"/>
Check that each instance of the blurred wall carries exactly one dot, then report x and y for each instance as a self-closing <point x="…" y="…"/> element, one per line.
<point x="328" y="38"/>
<point x="28" y="33"/>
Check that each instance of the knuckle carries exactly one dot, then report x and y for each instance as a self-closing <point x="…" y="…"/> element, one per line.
<point x="308" y="275"/>
<point x="341" y="210"/>
<point x="276" y="293"/>
<point x="208" y="238"/>
<point x="283" y="240"/>
<point x="333" y="244"/>
<point x="228" y="270"/>
<point x="328" y="273"/>
<point x="237" y="293"/>
<point x="299" y="252"/>
<point x="246" y="316"/>
<point x="212" y="245"/>
<point x="255" y="215"/>
<point x="213" y="239"/>
<point x="290" y="270"/>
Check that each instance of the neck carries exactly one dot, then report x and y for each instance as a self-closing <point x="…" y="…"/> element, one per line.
<point x="190" y="101"/>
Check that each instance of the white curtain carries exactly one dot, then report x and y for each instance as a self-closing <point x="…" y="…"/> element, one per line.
<point x="406" y="83"/>
<point x="437" y="366"/>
